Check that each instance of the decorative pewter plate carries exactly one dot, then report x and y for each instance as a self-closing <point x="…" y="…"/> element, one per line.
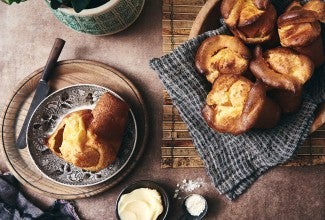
<point x="47" y="116"/>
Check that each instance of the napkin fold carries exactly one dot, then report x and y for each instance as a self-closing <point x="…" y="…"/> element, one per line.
<point x="15" y="206"/>
<point x="233" y="162"/>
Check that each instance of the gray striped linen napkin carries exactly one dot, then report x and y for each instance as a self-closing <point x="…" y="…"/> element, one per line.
<point x="14" y="205"/>
<point x="233" y="162"/>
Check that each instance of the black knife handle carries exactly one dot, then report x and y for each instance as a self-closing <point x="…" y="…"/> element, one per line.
<point x="53" y="58"/>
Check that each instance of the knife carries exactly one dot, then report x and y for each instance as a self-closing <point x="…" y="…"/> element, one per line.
<point x="42" y="89"/>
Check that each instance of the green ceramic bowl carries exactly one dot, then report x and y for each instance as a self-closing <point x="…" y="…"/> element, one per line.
<point x="110" y="18"/>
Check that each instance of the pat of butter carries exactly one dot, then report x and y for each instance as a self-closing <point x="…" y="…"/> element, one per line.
<point x="140" y="204"/>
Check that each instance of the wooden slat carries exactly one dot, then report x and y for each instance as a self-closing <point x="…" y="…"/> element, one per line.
<point x="177" y="31"/>
<point x="180" y="16"/>
<point x="181" y="162"/>
<point x="179" y="152"/>
<point x="178" y="126"/>
<point x="304" y="160"/>
<point x="184" y="2"/>
<point x="179" y="23"/>
<point x="179" y="143"/>
<point x="314" y="150"/>
<point x="177" y="39"/>
<point x="182" y="9"/>
<point x="169" y="135"/>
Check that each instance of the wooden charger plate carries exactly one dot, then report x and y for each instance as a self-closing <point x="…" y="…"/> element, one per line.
<point x="66" y="73"/>
<point x="208" y="19"/>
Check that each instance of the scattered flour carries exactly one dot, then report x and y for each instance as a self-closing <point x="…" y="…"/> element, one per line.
<point x="187" y="186"/>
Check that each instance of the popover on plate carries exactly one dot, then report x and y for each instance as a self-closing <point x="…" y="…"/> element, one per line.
<point x="90" y="139"/>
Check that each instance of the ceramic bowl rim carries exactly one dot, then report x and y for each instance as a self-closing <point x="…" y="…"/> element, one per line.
<point x="89" y="12"/>
<point x="146" y="184"/>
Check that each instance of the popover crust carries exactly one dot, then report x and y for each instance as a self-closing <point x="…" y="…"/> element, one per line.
<point x="252" y="21"/>
<point x="281" y="68"/>
<point x="222" y="54"/>
<point x="299" y="28"/>
<point x="235" y="104"/>
<point x="90" y="139"/>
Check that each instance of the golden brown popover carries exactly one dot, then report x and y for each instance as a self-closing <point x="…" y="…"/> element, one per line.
<point x="90" y="139"/>
<point x="294" y="5"/>
<point x="222" y="54"/>
<point x="300" y="30"/>
<point x="283" y="69"/>
<point x="317" y="6"/>
<point x="289" y="101"/>
<point x="235" y="105"/>
<point x="252" y="21"/>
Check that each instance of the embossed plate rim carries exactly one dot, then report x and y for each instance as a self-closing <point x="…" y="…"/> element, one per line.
<point x="59" y="91"/>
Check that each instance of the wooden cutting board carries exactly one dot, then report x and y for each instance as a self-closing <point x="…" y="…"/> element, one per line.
<point x="177" y="149"/>
<point x="69" y="72"/>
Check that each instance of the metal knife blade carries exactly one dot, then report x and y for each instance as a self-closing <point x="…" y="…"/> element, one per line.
<point x="42" y="90"/>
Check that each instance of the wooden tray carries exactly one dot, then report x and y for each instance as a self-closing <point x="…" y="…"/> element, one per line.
<point x="186" y="19"/>
<point x="66" y="73"/>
